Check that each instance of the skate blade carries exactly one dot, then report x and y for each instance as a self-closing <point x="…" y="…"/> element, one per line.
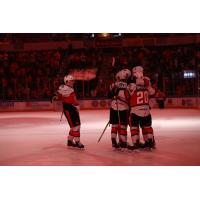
<point x="136" y="150"/>
<point x="116" y="149"/>
<point x="75" y="148"/>
<point x="120" y="150"/>
<point x="124" y="149"/>
<point x="79" y="149"/>
<point x="148" y="149"/>
<point x="133" y="150"/>
<point x="70" y="147"/>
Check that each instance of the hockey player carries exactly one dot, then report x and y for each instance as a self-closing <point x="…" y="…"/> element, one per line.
<point x="71" y="111"/>
<point x="137" y="94"/>
<point x="119" y="111"/>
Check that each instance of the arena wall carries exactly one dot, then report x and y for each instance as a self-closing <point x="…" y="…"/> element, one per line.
<point x="5" y="106"/>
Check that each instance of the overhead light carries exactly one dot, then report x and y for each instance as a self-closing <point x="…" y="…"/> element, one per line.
<point x="105" y="34"/>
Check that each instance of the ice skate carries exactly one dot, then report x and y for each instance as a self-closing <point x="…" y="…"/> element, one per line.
<point x="149" y="145"/>
<point x="115" y="145"/>
<point x="70" y="144"/>
<point x="131" y="147"/>
<point x="79" y="145"/>
<point x="123" y="146"/>
<point x="135" y="147"/>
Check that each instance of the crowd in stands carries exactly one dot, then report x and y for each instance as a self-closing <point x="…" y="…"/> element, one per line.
<point x="165" y="66"/>
<point x="28" y="75"/>
<point x="37" y="74"/>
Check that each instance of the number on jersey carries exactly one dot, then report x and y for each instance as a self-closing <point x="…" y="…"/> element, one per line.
<point x="142" y="97"/>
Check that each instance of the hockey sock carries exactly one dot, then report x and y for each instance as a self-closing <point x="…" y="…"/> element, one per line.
<point x="147" y="133"/>
<point x="114" y="132"/>
<point x="70" y="137"/>
<point x="77" y="139"/>
<point x="135" y="134"/>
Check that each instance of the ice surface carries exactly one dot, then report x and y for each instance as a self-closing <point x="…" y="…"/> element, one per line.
<point x="38" y="138"/>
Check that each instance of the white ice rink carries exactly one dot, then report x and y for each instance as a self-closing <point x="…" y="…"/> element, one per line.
<point x="38" y="138"/>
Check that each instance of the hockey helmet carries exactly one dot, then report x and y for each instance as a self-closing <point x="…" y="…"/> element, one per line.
<point x="137" y="71"/>
<point x="123" y="74"/>
<point x="68" y="78"/>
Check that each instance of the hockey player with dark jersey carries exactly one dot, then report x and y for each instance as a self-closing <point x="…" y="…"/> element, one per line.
<point x="137" y="94"/>
<point x="71" y="111"/>
<point x="119" y="111"/>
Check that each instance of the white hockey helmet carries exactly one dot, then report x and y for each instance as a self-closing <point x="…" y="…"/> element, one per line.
<point x="127" y="73"/>
<point x="137" y="71"/>
<point x="123" y="74"/>
<point x="68" y="78"/>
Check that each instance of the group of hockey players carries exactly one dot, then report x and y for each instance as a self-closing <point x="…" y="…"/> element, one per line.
<point x="129" y="107"/>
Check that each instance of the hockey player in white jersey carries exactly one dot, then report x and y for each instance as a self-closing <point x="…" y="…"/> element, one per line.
<point x="137" y="94"/>
<point x="71" y="111"/>
<point x="119" y="111"/>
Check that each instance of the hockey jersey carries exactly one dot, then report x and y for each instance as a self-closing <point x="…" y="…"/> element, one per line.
<point x="137" y="94"/>
<point x="117" y="94"/>
<point x="67" y="95"/>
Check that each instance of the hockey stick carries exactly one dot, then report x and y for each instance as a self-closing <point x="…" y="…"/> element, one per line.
<point x="103" y="131"/>
<point x="54" y="98"/>
<point x="61" y="116"/>
<point x="119" y="121"/>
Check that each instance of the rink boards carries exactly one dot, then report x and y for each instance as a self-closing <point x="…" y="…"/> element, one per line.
<point x="187" y="102"/>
